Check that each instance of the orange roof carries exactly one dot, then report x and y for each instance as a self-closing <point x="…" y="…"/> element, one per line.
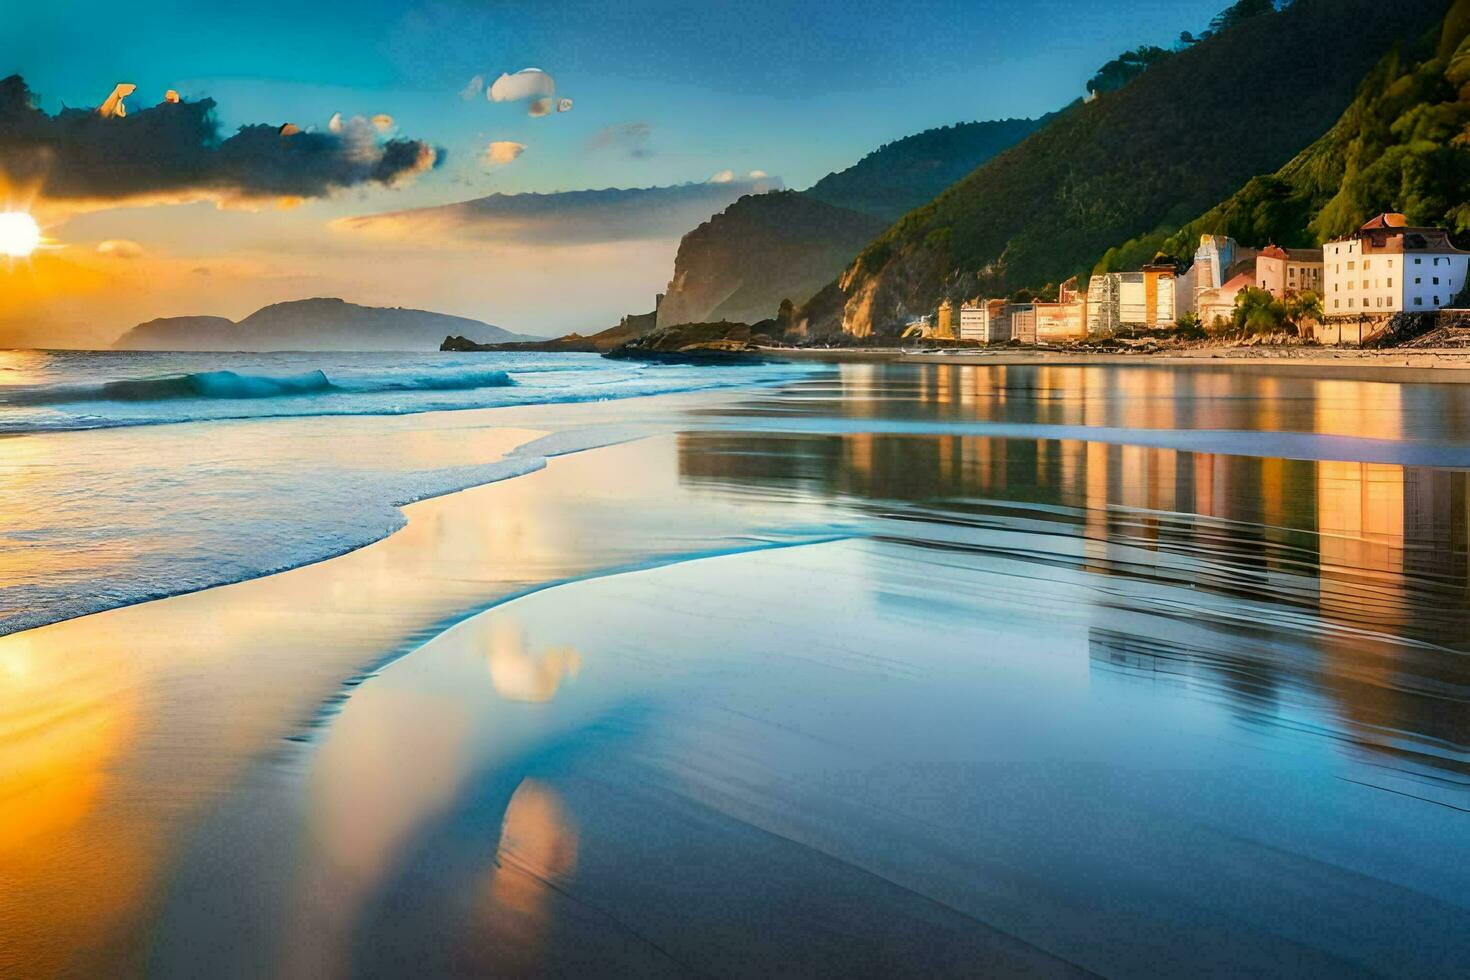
<point x="1389" y="219"/>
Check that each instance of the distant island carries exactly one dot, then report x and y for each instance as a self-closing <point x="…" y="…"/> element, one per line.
<point x="313" y="324"/>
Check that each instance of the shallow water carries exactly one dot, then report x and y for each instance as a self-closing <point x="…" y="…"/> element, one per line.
<point x="834" y="677"/>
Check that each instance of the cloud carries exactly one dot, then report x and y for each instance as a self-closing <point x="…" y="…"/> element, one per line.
<point x="382" y="122"/>
<point x="566" y="218"/>
<point x="726" y="176"/>
<point x="473" y="88"/>
<point x="502" y="152"/>
<point x="632" y="138"/>
<point x="119" y="248"/>
<point x="173" y="152"/>
<point x="528" y="83"/>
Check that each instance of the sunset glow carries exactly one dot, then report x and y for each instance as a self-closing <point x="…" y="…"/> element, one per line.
<point x="19" y="234"/>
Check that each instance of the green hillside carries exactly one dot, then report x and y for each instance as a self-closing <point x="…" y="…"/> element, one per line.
<point x="1402" y="145"/>
<point x="1149" y="157"/>
<point x="902" y="175"/>
<point x="764" y="248"/>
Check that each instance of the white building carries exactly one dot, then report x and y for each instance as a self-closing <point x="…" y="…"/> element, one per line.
<point x="985" y="321"/>
<point x="1388" y="267"/>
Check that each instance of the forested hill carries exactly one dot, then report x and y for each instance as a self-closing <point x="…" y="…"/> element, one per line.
<point x="1159" y="151"/>
<point x="744" y="261"/>
<point x="902" y="175"/>
<point x="1402" y="145"/>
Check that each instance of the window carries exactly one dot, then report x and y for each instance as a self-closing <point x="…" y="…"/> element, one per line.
<point x="1350" y="302"/>
<point x="1418" y="261"/>
<point x="1390" y="263"/>
<point x="1418" y="300"/>
<point x="1418" y="280"/>
<point x="1436" y="301"/>
<point x="1367" y="263"/>
<point x="1436" y="280"/>
<point x="1336" y="304"/>
<point x="1352" y="265"/>
<point x="1365" y="284"/>
<point x="1390" y="282"/>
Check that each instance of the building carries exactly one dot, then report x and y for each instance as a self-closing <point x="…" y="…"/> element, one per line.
<point x="1102" y="305"/>
<point x="1141" y="300"/>
<point x="944" y="322"/>
<point x="1215" y="305"/>
<point x="1212" y="260"/>
<point x="1388" y="267"/>
<point x="1064" y="320"/>
<point x="1218" y="260"/>
<point x="1023" y="322"/>
<point x="1285" y="272"/>
<point x="986" y="321"/>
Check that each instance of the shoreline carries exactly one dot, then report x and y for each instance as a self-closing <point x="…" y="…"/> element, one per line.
<point x="1433" y="366"/>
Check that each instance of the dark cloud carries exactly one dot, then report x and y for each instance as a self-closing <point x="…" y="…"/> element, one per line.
<point x="566" y="218"/>
<point x="174" y="150"/>
<point x="633" y="138"/>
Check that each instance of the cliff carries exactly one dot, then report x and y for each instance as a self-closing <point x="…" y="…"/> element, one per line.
<point x="1165" y="147"/>
<point x="741" y="263"/>
<point x="311" y="324"/>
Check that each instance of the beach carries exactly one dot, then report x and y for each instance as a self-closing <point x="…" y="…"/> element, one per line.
<point x="1011" y="667"/>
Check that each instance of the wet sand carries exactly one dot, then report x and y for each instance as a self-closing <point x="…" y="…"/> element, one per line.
<point x="791" y="682"/>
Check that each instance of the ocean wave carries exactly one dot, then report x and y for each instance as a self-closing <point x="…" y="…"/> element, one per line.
<point x="229" y="385"/>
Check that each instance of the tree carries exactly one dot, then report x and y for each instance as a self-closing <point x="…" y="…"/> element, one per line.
<point x="1189" y="326"/>
<point x="1126" y="67"/>
<point x="1303" y="307"/>
<point x="1258" y="312"/>
<point x="1239" y="11"/>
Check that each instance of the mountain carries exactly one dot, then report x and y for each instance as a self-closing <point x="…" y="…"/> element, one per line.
<point x="1402" y="145"/>
<point x="900" y="176"/>
<point x="1165" y="147"/>
<point x="312" y="324"/>
<point x="743" y="262"/>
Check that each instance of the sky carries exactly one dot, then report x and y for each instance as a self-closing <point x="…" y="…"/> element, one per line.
<point x="663" y="94"/>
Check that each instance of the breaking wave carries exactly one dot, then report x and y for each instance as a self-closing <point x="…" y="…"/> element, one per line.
<point x="231" y="385"/>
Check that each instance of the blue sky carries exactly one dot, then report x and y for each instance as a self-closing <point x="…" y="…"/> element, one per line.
<point x="792" y="89"/>
<point x="796" y="89"/>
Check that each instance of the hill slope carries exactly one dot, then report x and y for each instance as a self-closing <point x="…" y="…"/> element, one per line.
<point x="1164" y="148"/>
<point x="1402" y="145"/>
<point x="311" y="324"/>
<point x="902" y="175"/>
<point x="741" y="263"/>
<point x="760" y="250"/>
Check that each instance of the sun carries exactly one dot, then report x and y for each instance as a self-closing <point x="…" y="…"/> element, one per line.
<point x="19" y="234"/>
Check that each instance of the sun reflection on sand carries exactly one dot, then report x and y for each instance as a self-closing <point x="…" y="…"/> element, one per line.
<point x="537" y="852"/>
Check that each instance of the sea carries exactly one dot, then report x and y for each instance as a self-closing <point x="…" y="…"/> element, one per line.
<point x="128" y="476"/>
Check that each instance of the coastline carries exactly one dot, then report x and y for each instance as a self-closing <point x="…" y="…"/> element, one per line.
<point x="1431" y="366"/>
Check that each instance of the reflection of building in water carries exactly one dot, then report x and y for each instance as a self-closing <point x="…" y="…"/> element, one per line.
<point x="1379" y="549"/>
<point x="1387" y="525"/>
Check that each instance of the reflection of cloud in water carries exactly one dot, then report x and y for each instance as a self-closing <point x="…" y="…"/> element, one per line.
<point x="538" y="848"/>
<point x="521" y="675"/>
